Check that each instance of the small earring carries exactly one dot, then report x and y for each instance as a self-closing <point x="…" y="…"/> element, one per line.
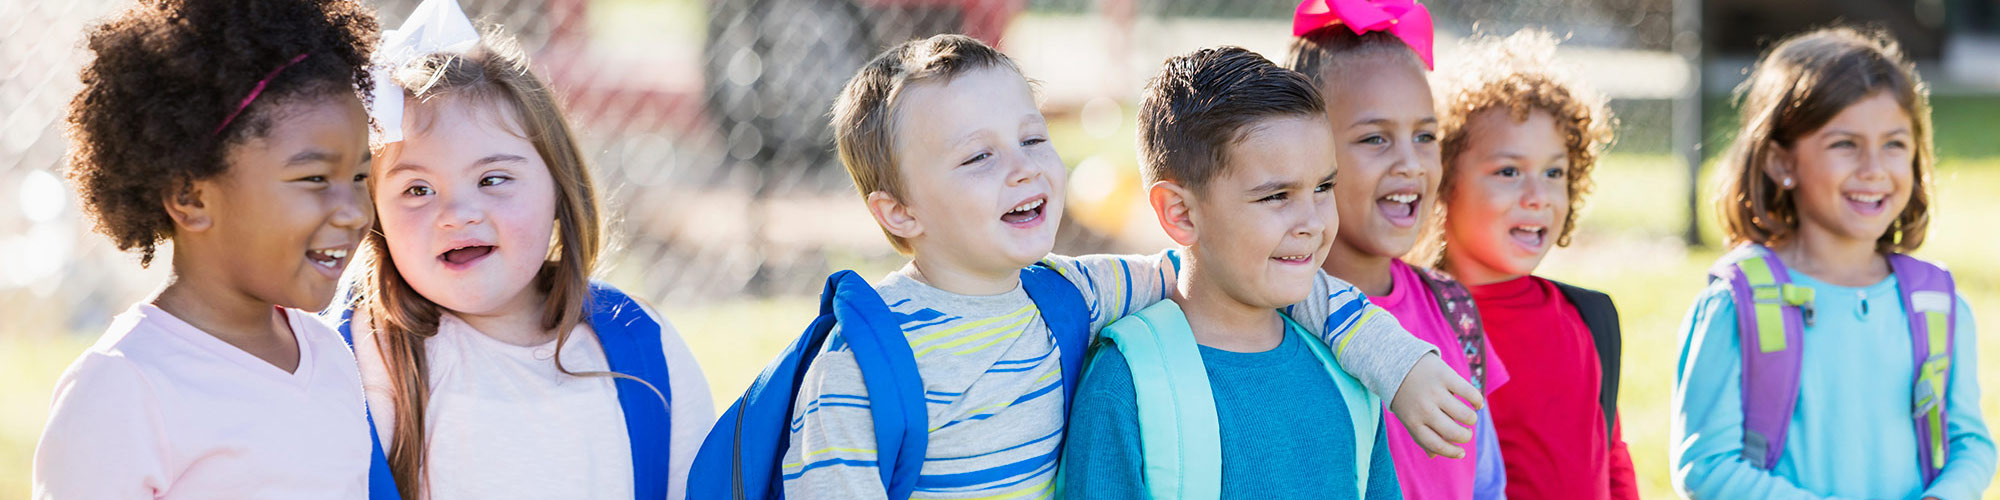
<point x="1788" y="182"/>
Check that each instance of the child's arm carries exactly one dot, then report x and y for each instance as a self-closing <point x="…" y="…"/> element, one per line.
<point x="1369" y="343"/>
<point x="832" y="452"/>
<point x="1624" y="482"/>
<point x="1388" y="360"/>
<point x="1707" y="441"/>
<point x="1115" y="286"/>
<point x="1101" y="455"/>
<point x="104" y="436"/>
<point x="1969" y="466"/>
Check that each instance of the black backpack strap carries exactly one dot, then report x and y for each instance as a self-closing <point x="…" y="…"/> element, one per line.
<point x="1600" y="315"/>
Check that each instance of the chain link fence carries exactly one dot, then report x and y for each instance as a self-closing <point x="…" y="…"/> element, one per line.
<point x="706" y="120"/>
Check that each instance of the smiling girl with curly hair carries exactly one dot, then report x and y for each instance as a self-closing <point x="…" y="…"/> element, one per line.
<point x="235" y="131"/>
<point x="1519" y="139"/>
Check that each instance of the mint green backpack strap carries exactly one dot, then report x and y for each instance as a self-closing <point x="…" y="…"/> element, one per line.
<point x="1364" y="408"/>
<point x="1179" y="437"/>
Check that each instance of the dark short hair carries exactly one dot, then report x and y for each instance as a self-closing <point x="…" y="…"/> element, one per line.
<point x="1206" y="100"/>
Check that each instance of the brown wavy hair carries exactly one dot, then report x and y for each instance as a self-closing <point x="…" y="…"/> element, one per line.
<point x="1517" y="75"/>
<point x="164" y="74"/>
<point x="1799" y="86"/>
<point x="494" y="73"/>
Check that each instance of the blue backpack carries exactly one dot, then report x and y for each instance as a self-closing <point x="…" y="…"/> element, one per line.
<point x="631" y="341"/>
<point x="741" y="459"/>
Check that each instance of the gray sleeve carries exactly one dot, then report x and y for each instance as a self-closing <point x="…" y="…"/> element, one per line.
<point x="1367" y="341"/>
<point x="1115" y="286"/>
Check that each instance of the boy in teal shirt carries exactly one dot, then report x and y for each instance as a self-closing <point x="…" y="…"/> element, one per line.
<point x="1241" y="161"/>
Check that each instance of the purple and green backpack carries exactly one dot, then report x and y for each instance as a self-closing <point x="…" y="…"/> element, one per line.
<point x="1772" y="315"/>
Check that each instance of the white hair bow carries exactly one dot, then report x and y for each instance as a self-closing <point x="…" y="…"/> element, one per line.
<point x="437" y="26"/>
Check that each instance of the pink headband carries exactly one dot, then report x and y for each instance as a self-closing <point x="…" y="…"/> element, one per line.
<point x="1406" y="19"/>
<point x="254" y="91"/>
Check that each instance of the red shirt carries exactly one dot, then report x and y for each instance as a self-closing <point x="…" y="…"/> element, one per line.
<point x="1550" y="423"/>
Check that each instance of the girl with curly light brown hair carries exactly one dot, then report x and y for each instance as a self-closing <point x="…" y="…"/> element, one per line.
<point x="235" y="131"/>
<point x="1519" y="140"/>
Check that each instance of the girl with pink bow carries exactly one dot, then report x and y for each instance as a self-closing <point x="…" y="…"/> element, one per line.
<point x="1371" y="61"/>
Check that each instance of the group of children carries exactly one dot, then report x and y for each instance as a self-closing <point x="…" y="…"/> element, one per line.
<point x="1285" y="347"/>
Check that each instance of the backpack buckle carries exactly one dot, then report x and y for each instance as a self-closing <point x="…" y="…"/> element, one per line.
<point x="1930" y="385"/>
<point x="1786" y="295"/>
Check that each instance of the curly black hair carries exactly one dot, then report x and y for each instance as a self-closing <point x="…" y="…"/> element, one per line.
<point x="167" y="73"/>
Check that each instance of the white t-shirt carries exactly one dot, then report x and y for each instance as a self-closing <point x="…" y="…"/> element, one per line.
<point x="502" y="422"/>
<point x="160" y="409"/>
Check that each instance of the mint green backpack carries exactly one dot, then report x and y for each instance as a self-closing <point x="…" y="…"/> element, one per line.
<point x="1179" y="438"/>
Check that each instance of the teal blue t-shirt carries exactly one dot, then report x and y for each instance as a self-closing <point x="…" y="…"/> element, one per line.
<point x="1285" y="430"/>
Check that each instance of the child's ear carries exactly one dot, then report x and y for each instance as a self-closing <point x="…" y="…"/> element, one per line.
<point x="1173" y="206"/>
<point x="1777" y="165"/>
<point x="894" y="216"/>
<point x="184" y="204"/>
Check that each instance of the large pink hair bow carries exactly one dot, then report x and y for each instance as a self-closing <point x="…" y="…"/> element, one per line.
<point x="1406" y="19"/>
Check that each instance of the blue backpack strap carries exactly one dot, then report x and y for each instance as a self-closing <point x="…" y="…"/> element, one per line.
<point x="1067" y="318"/>
<point x="1180" y="437"/>
<point x="741" y="459"/>
<point x="1928" y="296"/>
<point x="631" y="342"/>
<point x="1364" y="408"/>
<point x="381" y="483"/>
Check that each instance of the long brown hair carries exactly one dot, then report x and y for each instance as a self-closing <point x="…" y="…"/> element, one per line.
<point x="1799" y="86"/>
<point x="493" y="73"/>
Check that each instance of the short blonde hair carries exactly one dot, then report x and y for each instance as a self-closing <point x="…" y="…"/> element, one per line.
<point x="1799" y="86"/>
<point x="1517" y="74"/>
<point x="864" y="113"/>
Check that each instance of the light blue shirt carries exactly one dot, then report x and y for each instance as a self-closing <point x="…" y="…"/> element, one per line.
<point x="1852" y="435"/>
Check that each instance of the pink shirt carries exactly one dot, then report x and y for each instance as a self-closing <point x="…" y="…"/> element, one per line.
<point x="1422" y="476"/>
<point x="160" y="409"/>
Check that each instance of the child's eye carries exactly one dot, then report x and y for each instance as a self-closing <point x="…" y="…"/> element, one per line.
<point x="360" y="177"/>
<point x="975" y="159"/>
<point x="1555" y="173"/>
<point x="1373" y="140"/>
<point x="1273" y="197"/>
<point x="493" y="180"/>
<point x="417" y="191"/>
<point x="1426" y="137"/>
<point x="1323" y="187"/>
<point x="1508" y="172"/>
<point x="1842" y="144"/>
<point x="1898" y="144"/>
<point x="1034" y="141"/>
<point x="315" y="179"/>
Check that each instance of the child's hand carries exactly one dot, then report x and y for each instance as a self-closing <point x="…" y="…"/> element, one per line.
<point x="1428" y="403"/>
